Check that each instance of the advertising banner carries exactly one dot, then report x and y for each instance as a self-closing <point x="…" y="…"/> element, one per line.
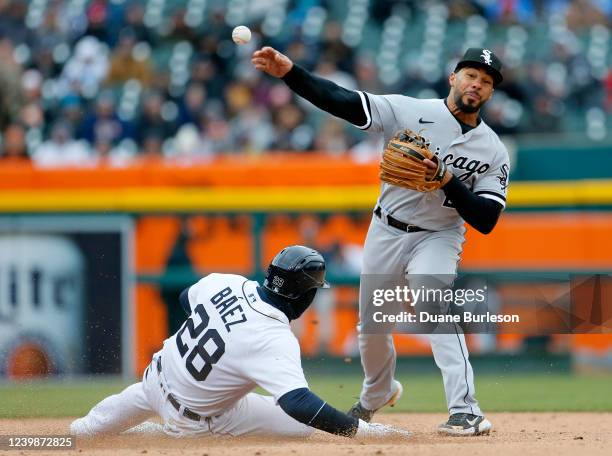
<point x="64" y="283"/>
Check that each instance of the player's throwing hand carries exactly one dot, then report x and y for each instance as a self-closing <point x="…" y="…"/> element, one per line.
<point x="270" y="61"/>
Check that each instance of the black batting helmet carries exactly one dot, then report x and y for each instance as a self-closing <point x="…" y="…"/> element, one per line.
<point x="295" y="271"/>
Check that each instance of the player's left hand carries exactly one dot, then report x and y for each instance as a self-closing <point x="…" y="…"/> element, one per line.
<point x="431" y="169"/>
<point x="403" y="163"/>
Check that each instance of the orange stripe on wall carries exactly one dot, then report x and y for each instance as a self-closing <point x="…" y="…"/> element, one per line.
<point x="279" y="169"/>
<point x="151" y="324"/>
<point x="548" y="240"/>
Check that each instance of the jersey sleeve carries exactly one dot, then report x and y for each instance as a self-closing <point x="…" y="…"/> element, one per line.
<point x="192" y="294"/>
<point x="276" y="366"/>
<point x="379" y="112"/>
<point x="200" y="286"/>
<point x="494" y="183"/>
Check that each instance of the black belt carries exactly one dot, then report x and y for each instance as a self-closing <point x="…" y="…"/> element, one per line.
<point x="186" y="412"/>
<point x="395" y="223"/>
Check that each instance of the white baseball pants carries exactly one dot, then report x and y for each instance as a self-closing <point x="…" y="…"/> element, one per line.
<point x="254" y="414"/>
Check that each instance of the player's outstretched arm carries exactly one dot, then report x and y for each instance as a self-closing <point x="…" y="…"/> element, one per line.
<point x="324" y="94"/>
<point x="307" y="408"/>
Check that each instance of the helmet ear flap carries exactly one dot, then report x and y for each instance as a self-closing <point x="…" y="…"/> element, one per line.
<point x="301" y="304"/>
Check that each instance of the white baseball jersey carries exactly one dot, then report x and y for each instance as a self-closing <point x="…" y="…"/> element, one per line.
<point x="231" y="343"/>
<point x="478" y="158"/>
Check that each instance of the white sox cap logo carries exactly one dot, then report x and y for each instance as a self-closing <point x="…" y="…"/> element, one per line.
<point x="486" y="55"/>
<point x="277" y="281"/>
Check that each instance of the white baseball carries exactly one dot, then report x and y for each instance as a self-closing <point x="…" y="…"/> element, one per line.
<point x="241" y="34"/>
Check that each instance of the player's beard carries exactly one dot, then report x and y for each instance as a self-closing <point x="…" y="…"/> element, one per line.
<point x="467" y="108"/>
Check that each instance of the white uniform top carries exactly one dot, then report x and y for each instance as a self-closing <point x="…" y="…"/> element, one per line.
<point x="231" y="343"/>
<point x="478" y="158"/>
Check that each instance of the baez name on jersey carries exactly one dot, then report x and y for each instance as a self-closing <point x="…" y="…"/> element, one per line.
<point x="230" y="312"/>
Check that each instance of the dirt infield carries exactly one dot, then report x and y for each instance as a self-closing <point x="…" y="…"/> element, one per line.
<point x="514" y="433"/>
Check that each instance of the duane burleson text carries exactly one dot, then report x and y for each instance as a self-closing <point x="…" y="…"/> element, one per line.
<point x="426" y="317"/>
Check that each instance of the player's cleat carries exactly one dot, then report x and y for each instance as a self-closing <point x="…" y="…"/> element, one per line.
<point x="360" y="412"/>
<point x="460" y="424"/>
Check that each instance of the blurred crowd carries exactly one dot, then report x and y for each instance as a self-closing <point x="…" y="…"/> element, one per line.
<point x="114" y="81"/>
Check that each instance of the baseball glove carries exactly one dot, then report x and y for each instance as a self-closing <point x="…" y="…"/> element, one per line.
<point x="402" y="163"/>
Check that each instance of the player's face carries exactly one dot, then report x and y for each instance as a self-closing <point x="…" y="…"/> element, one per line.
<point x="471" y="88"/>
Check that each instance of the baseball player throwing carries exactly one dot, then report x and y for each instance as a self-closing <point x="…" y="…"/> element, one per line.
<point x="237" y="337"/>
<point x="418" y="222"/>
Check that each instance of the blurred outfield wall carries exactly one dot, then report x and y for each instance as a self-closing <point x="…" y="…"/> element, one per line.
<point x="234" y="214"/>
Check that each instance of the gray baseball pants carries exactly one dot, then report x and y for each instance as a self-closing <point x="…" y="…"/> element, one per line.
<point x="390" y="251"/>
